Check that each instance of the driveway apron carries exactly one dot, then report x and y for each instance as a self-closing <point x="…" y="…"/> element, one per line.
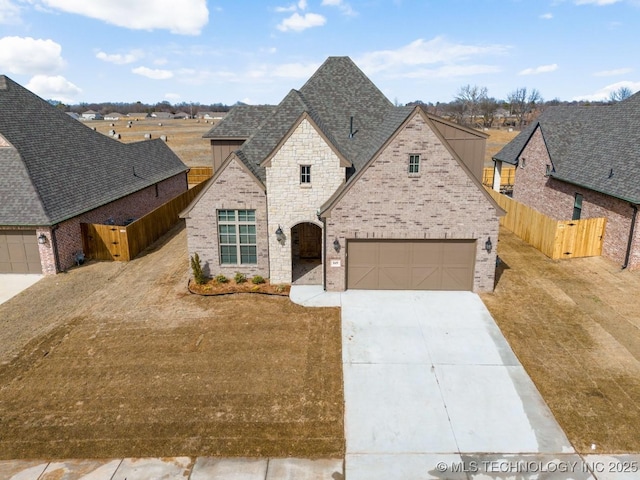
<point x="432" y="389"/>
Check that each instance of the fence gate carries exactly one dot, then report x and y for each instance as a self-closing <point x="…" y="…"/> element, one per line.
<point x="105" y="242"/>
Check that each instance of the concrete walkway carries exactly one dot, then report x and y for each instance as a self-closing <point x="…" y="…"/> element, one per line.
<point x="180" y="468"/>
<point x="12" y="284"/>
<point x="433" y="390"/>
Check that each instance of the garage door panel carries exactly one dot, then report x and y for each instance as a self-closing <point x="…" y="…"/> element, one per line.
<point x="411" y="264"/>
<point x="19" y="252"/>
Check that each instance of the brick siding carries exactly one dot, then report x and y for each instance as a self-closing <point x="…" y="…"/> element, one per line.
<point x="442" y="202"/>
<point x="234" y="189"/>
<point x="556" y="198"/>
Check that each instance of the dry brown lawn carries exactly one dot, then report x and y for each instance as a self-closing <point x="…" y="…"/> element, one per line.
<point x="575" y="326"/>
<point x="125" y="362"/>
<point x="184" y="137"/>
<point x="498" y="138"/>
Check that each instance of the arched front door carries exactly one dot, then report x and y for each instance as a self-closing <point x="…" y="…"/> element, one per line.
<point x="306" y="239"/>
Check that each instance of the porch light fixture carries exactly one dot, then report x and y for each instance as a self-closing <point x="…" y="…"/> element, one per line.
<point x="318" y="215"/>
<point x="42" y="239"/>
<point x="336" y="245"/>
<point x="488" y="245"/>
<point x="280" y="235"/>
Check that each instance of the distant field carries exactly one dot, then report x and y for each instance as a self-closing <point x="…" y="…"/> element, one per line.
<point x="497" y="140"/>
<point x="184" y="137"/>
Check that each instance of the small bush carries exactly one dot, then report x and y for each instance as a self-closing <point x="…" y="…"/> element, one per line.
<point x="280" y="288"/>
<point x="240" y="277"/>
<point x="196" y="267"/>
<point x="257" y="279"/>
<point x="221" y="279"/>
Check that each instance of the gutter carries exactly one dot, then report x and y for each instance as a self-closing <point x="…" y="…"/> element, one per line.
<point x="324" y="253"/>
<point x="631" y="235"/>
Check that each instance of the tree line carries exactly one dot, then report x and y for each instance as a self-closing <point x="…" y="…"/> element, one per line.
<point x="473" y="106"/>
<point x="190" y="108"/>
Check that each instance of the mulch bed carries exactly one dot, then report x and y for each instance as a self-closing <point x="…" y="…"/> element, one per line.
<point x="212" y="287"/>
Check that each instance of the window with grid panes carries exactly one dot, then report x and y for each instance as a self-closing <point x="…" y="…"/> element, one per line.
<point x="237" y="237"/>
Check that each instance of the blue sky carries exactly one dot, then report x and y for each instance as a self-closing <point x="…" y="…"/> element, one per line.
<point x="209" y="51"/>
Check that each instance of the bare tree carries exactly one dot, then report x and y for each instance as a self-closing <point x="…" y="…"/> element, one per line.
<point x="471" y="97"/>
<point x="487" y="108"/>
<point x="620" y="94"/>
<point x="523" y="102"/>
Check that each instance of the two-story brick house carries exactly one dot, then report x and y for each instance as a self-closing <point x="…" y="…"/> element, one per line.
<point x="384" y="197"/>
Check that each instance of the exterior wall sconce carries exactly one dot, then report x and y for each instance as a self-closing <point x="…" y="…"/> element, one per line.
<point x="280" y="235"/>
<point x="488" y="245"/>
<point x="42" y="239"/>
<point x="318" y="215"/>
<point x="336" y="245"/>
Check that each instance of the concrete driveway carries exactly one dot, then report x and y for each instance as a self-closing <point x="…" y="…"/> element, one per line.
<point x="12" y="284"/>
<point x="433" y="390"/>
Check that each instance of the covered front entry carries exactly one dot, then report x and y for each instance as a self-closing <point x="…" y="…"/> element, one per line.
<point x="19" y="252"/>
<point x="306" y="254"/>
<point x="411" y="264"/>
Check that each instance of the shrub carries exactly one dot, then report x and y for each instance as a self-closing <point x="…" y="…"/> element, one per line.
<point x="221" y="279"/>
<point x="257" y="279"/>
<point x="196" y="267"/>
<point x="280" y="288"/>
<point x="240" y="277"/>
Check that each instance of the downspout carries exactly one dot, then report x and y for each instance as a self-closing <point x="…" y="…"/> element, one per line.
<point x="631" y="235"/>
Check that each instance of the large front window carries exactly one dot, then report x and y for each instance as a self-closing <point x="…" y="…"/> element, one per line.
<point x="237" y="236"/>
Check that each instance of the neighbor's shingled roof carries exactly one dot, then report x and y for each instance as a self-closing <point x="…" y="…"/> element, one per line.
<point x="597" y="147"/>
<point x="335" y="93"/>
<point x="57" y="168"/>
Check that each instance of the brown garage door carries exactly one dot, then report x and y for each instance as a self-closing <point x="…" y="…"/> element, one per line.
<point x="411" y="265"/>
<point x="19" y="252"/>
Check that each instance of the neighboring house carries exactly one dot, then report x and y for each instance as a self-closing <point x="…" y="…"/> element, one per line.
<point x="162" y="115"/>
<point x="92" y="115"/>
<point x="211" y="115"/>
<point x="181" y="115"/>
<point x="57" y="173"/>
<point x="382" y="197"/>
<point x="582" y="162"/>
<point x="114" y="116"/>
<point x="73" y="115"/>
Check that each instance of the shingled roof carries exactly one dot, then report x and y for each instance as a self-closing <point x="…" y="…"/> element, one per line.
<point x="55" y="168"/>
<point x="334" y="95"/>
<point x="597" y="147"/>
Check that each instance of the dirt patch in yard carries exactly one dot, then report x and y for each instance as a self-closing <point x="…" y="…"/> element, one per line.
<point x="575" y="326"/>
<point x="137" y="366"/>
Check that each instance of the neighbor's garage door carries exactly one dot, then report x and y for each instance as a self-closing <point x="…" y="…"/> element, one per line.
<point x="19" y="252"/>
<point x="411" y="265"/>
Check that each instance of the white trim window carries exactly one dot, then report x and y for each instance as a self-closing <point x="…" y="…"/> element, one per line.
<point x="414" y="164"/>
<point x="237" y="237"/>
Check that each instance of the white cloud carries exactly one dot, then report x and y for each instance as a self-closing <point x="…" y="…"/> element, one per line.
<point x="546" y="16"/>
<point x="421" y="52"/>
<point x="613" y="73"/>
<point x="294" y="70"/>
<point x="154" y="74"/>
<point x="341" y="4"/>
<point x="538" y="70"/>
<point x="186" y="17"/>
<point x="26" y="55"/>
<point x="450" y="71"/>
<point x="603" y="93"/>
<point x="302" y="5"/>
<point x="9" y="12"/>
<point x="54" y="88"/>
<point x="172" y="96"/>
<point x="119" y="58"/>
<point x="298" y="23"/>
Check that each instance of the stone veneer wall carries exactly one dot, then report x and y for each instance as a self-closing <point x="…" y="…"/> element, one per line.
<point x="66" y="239"/>
<point x="291" y="202"/>
<point x="234" y="189"/>
<point x="441" y="202"/>
<point x="555" y="199"/>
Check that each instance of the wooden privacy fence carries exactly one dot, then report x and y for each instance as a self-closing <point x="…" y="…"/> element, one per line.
<point x="555" y="238"/>
<point x="507" y="177"/>
<point x="198" y="175"/>
<point x="124" y="243"/>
